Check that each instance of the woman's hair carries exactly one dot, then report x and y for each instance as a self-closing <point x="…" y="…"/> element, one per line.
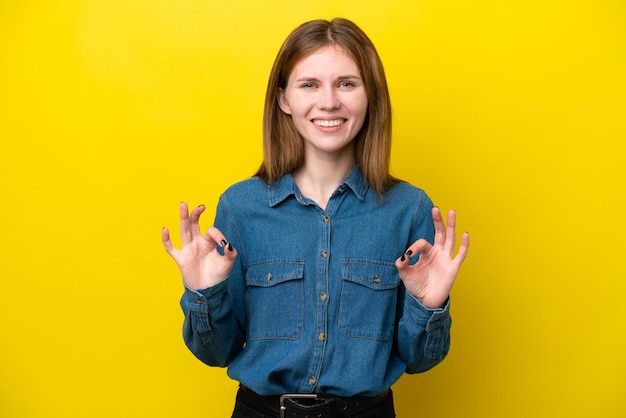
<point x="283" y="146"/>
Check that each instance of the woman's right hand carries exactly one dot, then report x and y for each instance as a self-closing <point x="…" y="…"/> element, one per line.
<point x="199" y="262"/>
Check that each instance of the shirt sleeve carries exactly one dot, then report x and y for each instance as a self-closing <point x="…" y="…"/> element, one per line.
<point x="423" y="334"/>
<point x="212" y="329"/>
<point x="423" y="337"/>
<point x="207" y="328"/>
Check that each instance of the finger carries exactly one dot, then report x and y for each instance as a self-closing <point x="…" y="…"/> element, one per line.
<point x="167" y="242"/>
<point x="440" y="228"/>
<point x="419" y="246"/>
<point x="463" y="249"/>
<point x="185" y="227"/>
<point x="402" y="263"/>
<point x="215" y="235"/>
<point x="194" y="220"/>
<point x="230" y="252"/>
<point x="450" y="233"/>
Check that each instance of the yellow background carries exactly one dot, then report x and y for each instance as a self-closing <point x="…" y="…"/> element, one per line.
<point x="113" y="111"/>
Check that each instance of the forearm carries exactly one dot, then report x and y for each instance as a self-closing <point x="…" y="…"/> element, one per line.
<point x="210" y="329"/>
<point x="423" y="337"/>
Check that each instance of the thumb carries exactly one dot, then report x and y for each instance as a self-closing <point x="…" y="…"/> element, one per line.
<point x="215" y="235"/>
<point x="419" y="246"/>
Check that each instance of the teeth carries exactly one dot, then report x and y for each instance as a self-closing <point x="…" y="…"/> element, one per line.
<point x="328" y="123"/>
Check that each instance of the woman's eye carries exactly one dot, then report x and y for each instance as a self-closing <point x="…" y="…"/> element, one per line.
<point x="307" y="85"/>
<point x="347" y="84"/>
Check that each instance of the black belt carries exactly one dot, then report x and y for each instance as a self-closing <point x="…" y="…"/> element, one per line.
<point x="311" y="405"/>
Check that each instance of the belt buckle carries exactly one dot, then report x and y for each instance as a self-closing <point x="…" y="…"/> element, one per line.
<point x="283" y="408"/>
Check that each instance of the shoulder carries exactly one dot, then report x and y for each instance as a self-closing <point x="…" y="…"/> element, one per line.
<point x="250" y="187"/>
<point x="415" y="203"/>
<point x="405" y="192"/>
<point x="243" y="198"/>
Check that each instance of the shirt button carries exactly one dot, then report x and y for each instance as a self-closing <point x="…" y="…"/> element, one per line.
<point x="269" y="276"/>
<point x="324" y="254"/>
<point x="376" y="279"/>
<point x="312" y="380"/>
<point x="324" y="296"/>
<point x="321" y="336"/>
<point x="326" y="220"/>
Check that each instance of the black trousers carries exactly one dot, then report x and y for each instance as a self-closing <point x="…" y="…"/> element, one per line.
<point x="247" y="406"/>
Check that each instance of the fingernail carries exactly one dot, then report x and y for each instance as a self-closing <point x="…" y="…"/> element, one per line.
<point x="402" y="258"/>
<point x="223" y="242"/>
<point x="230" y="247"/>
<point x="409" y="253"/>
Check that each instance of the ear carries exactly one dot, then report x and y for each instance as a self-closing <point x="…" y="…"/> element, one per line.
<point x="282" y="102"/>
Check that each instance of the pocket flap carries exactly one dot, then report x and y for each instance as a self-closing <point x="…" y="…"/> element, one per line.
<point x="271" y="273"/>
<point x="377" y="275"/>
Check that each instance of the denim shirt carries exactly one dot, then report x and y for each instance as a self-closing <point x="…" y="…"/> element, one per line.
<point x="314" y="302"/>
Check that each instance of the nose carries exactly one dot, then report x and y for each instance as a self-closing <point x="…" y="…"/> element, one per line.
<point x="329" y="100"/>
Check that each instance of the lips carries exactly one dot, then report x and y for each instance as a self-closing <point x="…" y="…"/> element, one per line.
<point x="328" y="123"/>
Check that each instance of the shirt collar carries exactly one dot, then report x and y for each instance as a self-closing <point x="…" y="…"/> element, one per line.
<point x="286" y="186"/>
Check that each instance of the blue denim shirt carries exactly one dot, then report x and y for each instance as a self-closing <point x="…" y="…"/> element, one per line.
<point x="314" y="302"/>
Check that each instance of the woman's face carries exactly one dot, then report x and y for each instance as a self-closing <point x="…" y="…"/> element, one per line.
<point x="327" y="101"/>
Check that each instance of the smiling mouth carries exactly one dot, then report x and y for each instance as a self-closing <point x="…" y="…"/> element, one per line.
<point x="328" y="123"/>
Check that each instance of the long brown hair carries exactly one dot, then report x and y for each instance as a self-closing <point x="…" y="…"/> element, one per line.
<point x="283" y="147"/>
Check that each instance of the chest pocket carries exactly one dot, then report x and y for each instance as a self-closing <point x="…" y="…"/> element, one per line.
<point x="275" y="300"/>
<point x="368" y="299"/>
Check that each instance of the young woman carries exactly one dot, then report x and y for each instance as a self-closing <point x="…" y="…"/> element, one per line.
<point x="324" y="278"/>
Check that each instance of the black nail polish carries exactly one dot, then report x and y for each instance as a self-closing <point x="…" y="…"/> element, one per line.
<point x="409" y="253"/>
<point x="223" y="243"/>
<point x="402" y="258"/>
<point x="230" y="247"/>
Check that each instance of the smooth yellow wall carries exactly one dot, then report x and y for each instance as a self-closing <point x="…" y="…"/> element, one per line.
<point x="112" y="112"/>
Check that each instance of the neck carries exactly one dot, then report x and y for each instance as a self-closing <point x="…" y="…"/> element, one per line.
<point x="318" y="180"/>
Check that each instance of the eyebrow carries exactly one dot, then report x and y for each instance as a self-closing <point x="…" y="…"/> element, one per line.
<point x="343" y="77"/>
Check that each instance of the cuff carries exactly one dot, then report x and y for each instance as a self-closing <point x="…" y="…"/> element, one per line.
<point x="203" y="299"/>
<point x="430" y="318"/>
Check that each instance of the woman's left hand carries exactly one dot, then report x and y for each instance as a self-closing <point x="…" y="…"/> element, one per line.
<point x="431" y="278"/>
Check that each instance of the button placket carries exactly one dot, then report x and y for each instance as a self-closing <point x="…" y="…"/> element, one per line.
<point x="322" y="289"/>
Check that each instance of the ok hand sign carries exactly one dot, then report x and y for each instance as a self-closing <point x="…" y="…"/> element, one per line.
<point x="431" y="278"/>
<point x="199" y="261"/>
